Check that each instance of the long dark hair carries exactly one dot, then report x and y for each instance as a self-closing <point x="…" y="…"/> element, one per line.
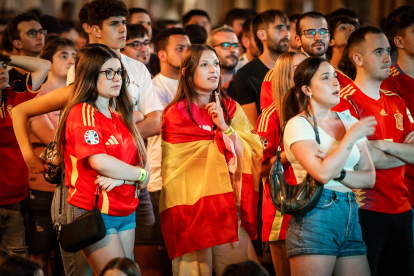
<point x="88" y="66"/>
<point x="295" y="100"/>
<point x="186" y="85"/>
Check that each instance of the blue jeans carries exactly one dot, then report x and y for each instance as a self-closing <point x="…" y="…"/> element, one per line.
<point x="12" y="231"/>
<point x="331" y="228"/>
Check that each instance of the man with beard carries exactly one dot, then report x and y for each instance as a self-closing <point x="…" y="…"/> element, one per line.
<point x="385" y="211"/>
<point x="28" y="37"/>
<point x="226" y="44"/>
<point x="312" y="35"/>
<point x="171" y="45"/>
<point x="271" y="34"/>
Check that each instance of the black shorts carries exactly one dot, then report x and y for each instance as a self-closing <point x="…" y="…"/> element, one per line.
<point x="36" y="210"/>
<point x="145" y="233"/>
<point x="389" y="241"/>
<point x="155" y="199"/>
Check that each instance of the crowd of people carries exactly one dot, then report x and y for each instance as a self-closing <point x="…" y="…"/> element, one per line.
<point x="176" y="126"/>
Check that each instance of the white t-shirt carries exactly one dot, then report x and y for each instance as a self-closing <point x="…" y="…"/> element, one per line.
<point x="166" y="89"/>
<point x="299" y="128"/>
<point x="140" y="87"/>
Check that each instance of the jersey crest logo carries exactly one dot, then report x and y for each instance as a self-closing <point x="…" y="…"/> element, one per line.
<point x="91" y="137"/>
<point x="383" y="113"/>
<point x="264" y="142"/>
<point x="399" y="121"/>
<point x="409" y="116"/>
<point x="9" y="109"/>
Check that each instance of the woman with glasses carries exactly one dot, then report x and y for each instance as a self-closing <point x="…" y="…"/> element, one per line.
<point x="210" y="171"/>
<point x="103" y="152"/>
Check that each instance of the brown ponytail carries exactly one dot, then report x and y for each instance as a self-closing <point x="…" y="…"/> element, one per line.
<point x="296" y="101"/>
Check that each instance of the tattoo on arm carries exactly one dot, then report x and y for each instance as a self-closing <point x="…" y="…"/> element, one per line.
<point x="350" y="146"/>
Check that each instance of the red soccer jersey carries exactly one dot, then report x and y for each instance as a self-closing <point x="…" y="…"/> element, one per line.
<point x="390" y="194"/>
<point x="90" y="132"/>
<point x="403" y="85"/>
<point x="14" y="174"/>
<point x="266" y="95"/>
<point x="274" y="225"/>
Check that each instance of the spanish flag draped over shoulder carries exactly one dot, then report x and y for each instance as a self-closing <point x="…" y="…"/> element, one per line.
<point x="205" y="184"/>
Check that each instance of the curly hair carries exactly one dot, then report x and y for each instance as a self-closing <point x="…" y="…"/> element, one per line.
<point x="100" y="10"/>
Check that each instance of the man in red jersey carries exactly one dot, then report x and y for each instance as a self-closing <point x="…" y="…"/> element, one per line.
<point x="14" y="175"/>
<point x="313" y="38"/>
<point x="400" y="31"/>
<point x="385" y="212"/>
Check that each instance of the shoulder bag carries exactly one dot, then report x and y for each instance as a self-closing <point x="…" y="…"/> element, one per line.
<point x="295" y="200"/>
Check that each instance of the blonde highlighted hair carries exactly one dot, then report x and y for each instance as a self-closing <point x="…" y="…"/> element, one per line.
<point x="282" y="79"/>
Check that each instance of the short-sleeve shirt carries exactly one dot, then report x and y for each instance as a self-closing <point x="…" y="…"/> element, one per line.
<point x="390" y="194"/>
<point x="248" y="83"/>
<point x="402" y="84"/>
<point x="266" y="95"/>
<point x="166" y="89"/>
<point x="140" y="87"/>
<point x="299" y="128"/>
<point x="90" y="132"/>
<point x="14" y="174"/>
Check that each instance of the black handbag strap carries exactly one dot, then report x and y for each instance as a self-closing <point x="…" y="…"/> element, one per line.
<point x="315" y="128"/>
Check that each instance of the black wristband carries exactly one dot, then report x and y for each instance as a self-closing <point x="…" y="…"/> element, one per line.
<point x="340" y="178"/>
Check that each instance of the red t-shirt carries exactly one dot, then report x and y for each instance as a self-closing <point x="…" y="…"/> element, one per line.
<point x="90" y="132"/>
<point x="266" y="95"/>
<point x="14" y="174"/>
<point x="403" y="85"/>
<point x="274" y="226"/>
<point x="390" y="194"/>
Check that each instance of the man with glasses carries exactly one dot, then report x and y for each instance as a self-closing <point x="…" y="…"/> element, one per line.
<point x="313" y="36"/>
<point x="226" y="44"/>
<point x="28" y="37"/>
<point x="137" y="44"/>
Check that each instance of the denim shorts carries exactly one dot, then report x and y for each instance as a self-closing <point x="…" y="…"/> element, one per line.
<point x="113" y="224"/>
<point x="331" y="228"/>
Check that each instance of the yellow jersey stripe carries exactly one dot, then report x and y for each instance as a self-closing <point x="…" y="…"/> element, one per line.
<point x="346" y="89"/>
<point x="262" y="119"/>
<point x="75" y="173"/>
<point x="265" y="117"/>
<point x="93" y="118"/>
<point x="269" y="113"/>
<point x="83" y="114"/>
<point x="88" y="113"/>
<point x="105" y="202"/>
<point x="111" y="142"/>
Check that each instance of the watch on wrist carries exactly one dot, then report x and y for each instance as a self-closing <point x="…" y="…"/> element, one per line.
<point x="342" y="176"/>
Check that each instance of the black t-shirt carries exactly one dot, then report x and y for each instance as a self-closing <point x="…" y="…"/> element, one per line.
<point x="15" y="75"/>
<point x="248" y="83"/>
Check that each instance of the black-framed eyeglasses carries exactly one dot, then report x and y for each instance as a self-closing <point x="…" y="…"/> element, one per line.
<point x="311" y="33"/>
<point x="33" y="33"/>
<point x="227" y="45"/>
<point x="137" y="45"/>
<point x="110" y="73"/>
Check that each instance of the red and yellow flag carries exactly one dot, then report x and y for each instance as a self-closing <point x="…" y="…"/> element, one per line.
<point x="200" y="199"/>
